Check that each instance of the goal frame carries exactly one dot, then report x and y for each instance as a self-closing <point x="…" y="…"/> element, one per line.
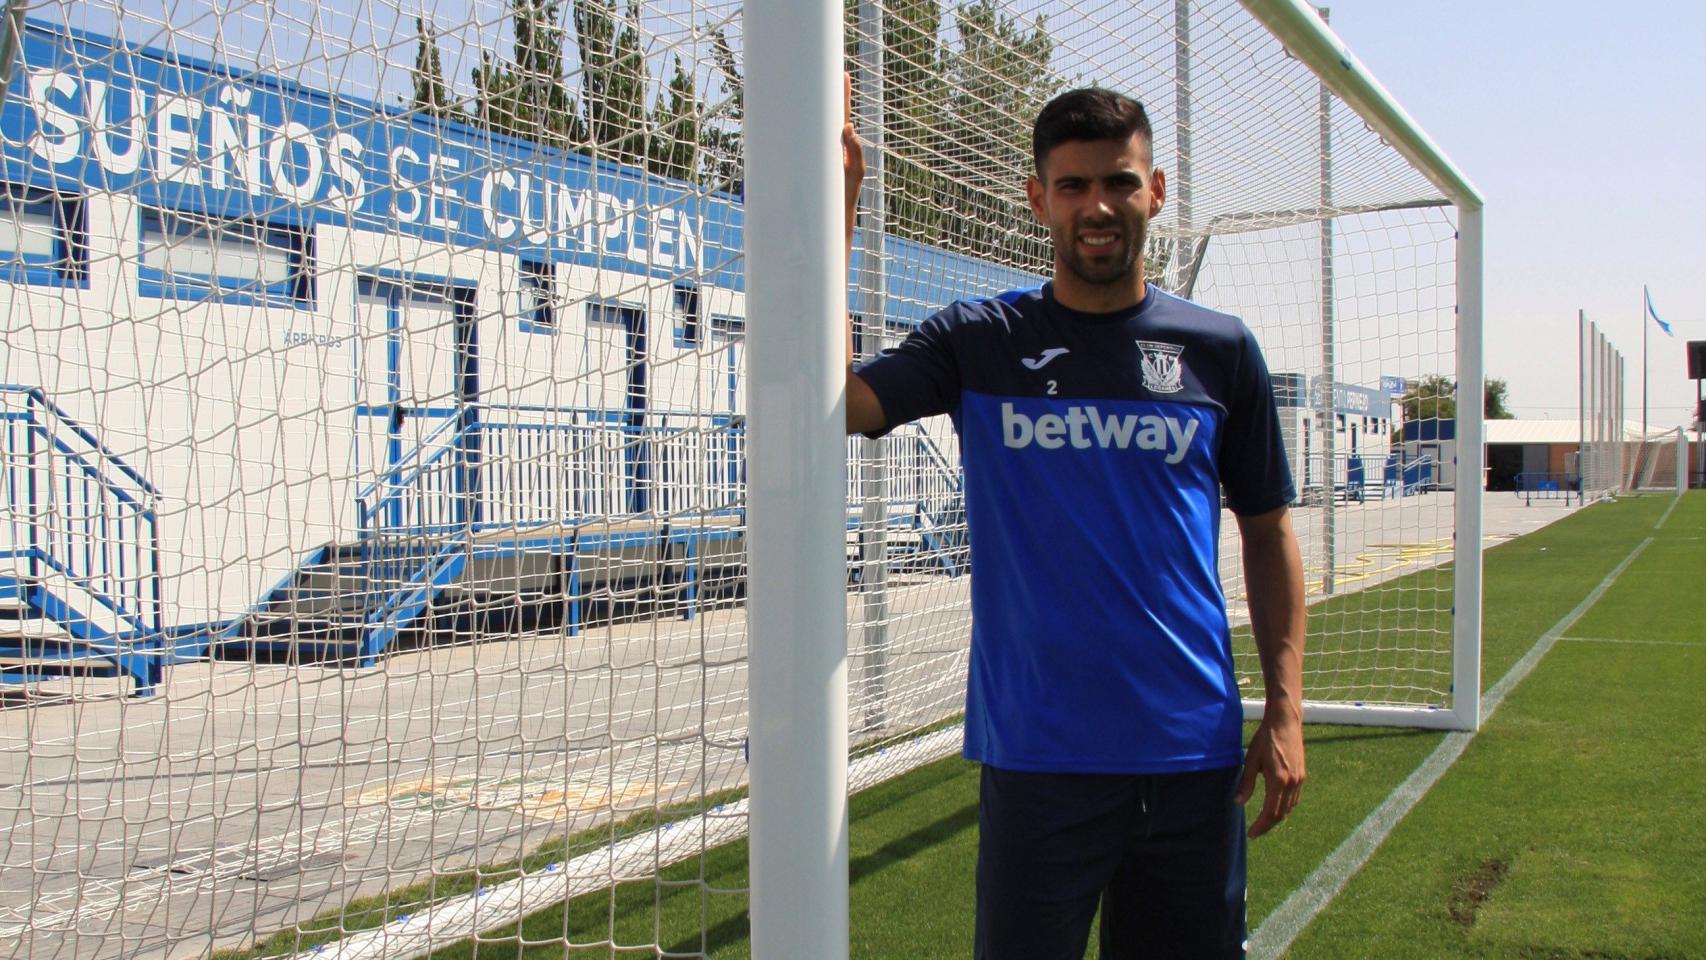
<point x="1296" y="25"/>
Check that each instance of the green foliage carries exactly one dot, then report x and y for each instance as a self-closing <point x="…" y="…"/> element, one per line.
<point x="954" y="162"/>
<point x="431" y="94"/>
<point x="1430" y="398"/>
<point x="1000" y="79"/>
<point x="1497" y="395"/>
<point x="1158" y="259"/>
<point x="721" y="143"/>
<point x="526" y="96"/>
<point x="675" y="132"/>
<point x="957" y="126"/>
<point x="614" y="79"/>
<point x="913" y="64"/>
<point x="1435" y="398"/>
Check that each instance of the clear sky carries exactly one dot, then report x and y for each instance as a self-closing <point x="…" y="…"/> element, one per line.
<point x="1584" y="126"/>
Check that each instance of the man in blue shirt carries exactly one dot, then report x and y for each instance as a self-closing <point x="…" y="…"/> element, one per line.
<point x="1101" y="420"/>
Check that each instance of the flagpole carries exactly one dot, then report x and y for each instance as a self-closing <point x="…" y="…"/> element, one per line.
<point x="1646" y="298"/>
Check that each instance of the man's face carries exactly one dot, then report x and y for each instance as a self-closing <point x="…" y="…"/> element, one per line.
<point x="1096" y="198"/>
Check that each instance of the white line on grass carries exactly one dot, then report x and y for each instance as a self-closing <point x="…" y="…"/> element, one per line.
<point x="1666" y="516"/>
<point x="1275" y="935"/>
<point x="1645" y="643"/>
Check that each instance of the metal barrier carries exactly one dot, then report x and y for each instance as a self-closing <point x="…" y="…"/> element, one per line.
<point x="1540" y="485"/>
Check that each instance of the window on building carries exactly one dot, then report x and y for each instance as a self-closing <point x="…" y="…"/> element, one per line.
<point x="42" y="237"/>
<point x="725" y="327"/>
<point x="538" y="297"/>
<point x="1290" y="390"/>
<point x="190" y="256"/>
<point x="685" y="305"/>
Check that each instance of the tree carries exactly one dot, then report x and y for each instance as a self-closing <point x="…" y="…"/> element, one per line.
<point x="1158" y="259"/>
<point x="1001" y="78"/>
<point x="431" y="95"/>
<point x="675" y="128"/>
<point x="913" y="65"/>
<point x="614" y="79"/>
<point x="719" y="131"/>
<point x="527" y="97"/>
<point x="1430" y="398"/>
<point x="1497" y="396"/>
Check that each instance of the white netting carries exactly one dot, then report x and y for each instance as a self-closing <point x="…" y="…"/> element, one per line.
<point x="375" y="421"/>
<point x="1658" y="461"/>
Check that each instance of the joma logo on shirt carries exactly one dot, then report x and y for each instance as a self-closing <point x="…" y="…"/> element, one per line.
<point x="1085" y="427"/>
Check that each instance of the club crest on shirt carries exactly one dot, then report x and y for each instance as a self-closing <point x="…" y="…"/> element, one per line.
<point x="1162" y="371"/>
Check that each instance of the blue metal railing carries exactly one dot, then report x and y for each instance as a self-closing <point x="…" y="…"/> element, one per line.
<point x="77" y="509"/>
<point x="940" y="471"/>
<point x="520" y="468"/>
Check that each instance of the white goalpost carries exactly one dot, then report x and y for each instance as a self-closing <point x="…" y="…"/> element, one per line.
<point x="427" y="515"/>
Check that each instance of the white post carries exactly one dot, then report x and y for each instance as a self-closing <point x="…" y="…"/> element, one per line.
<point x="1581" y="405"/>
<point x="796" y="305"/>
<point x="1605" y="411"/>
<point x="1681" y="460"/>
<point x="1594" y="404"/>
<point x="1620" y="435"/>
<point x="1328" y="411"/>
<point x="1466" y="586"/>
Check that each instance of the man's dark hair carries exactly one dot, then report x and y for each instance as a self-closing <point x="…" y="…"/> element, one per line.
<point x="1088" y="113"/>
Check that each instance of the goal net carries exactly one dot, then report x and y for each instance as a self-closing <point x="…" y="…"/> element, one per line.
<point x="374" y="438"/>
<point x="1659" y="461"/>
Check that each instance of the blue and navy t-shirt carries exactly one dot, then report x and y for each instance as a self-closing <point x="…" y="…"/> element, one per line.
<point x="1096" y="448"/>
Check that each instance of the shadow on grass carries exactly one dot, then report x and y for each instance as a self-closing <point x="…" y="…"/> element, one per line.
<point x="1384" y="733"/>
<point x="737" y="929"/>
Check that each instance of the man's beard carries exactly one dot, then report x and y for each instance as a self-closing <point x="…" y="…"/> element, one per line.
<point x="1108" y="271"/>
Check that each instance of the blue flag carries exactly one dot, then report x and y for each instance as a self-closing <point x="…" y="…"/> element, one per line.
<point x="1654" y="313"/>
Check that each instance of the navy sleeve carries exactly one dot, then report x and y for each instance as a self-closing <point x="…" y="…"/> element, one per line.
<point x="1254" y="469"/>
<point x="919" y="378"/>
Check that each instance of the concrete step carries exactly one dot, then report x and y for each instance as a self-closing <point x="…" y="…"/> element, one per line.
<point x="44" y="644"/>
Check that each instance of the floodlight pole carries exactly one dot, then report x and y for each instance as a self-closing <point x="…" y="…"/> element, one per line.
<point x="1581" y="403"/>
<point x="797" y="307"/>
<point x="1327" y="410"/>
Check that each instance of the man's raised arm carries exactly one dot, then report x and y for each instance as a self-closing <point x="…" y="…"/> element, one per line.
<point x="864" y="411"/>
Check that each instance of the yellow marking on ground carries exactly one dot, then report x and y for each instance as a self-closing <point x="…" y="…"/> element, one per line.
<point x="540" y="795"/>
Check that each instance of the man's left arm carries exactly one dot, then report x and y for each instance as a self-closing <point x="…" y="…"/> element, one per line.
<point x="1273" y="581"/>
